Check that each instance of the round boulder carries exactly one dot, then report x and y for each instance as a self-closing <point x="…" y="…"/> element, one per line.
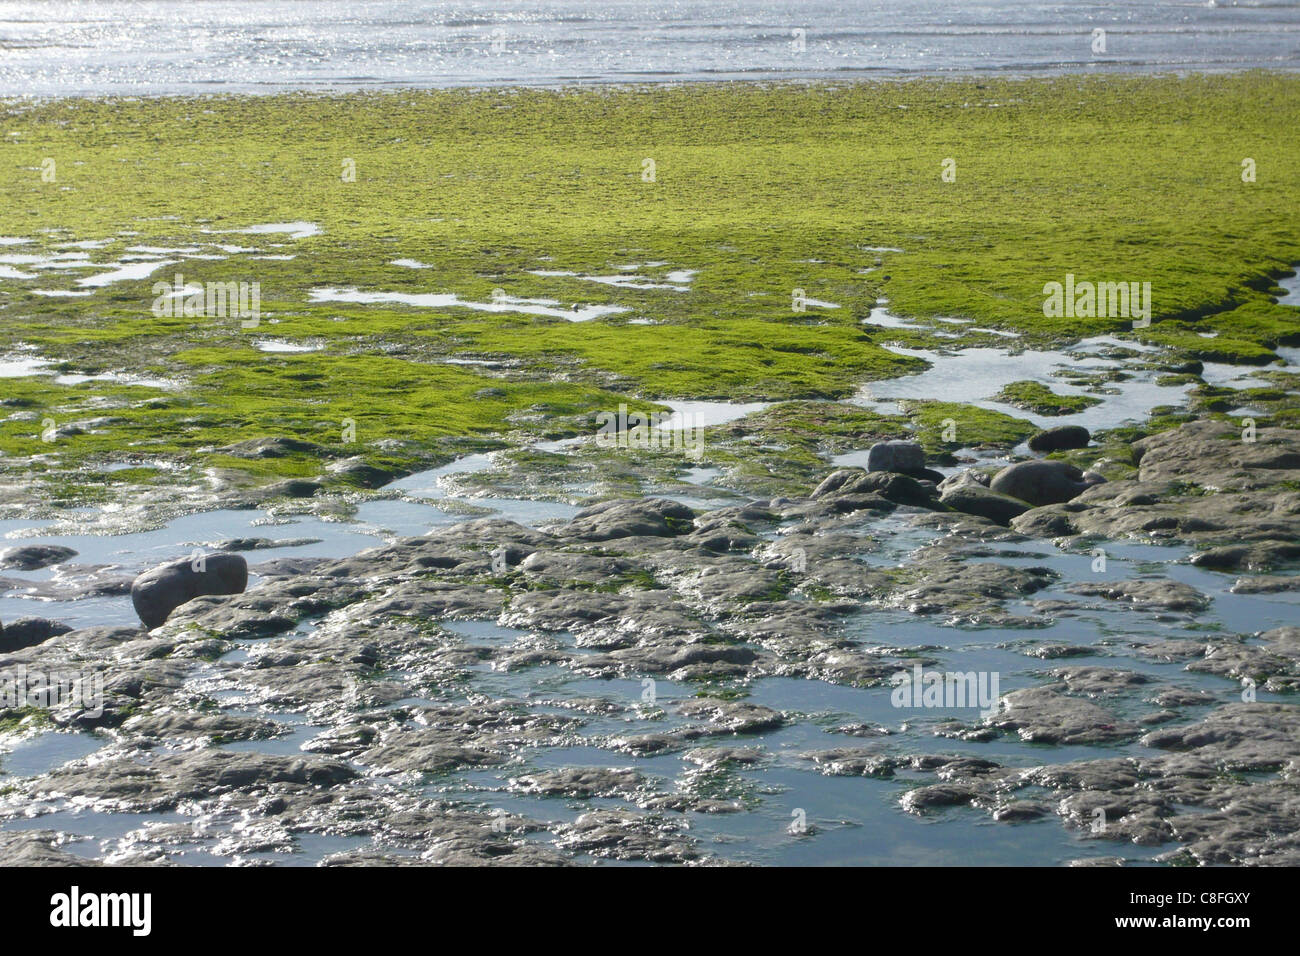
<point x="900" y="457"/>
<point x="29" y="631"/>
<point x="1060" y="438"/>
<point x="158" y="592"/>
<point x="1039" y="483"/>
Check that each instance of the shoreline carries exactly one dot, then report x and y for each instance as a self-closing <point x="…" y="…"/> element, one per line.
<point x="650" y="85"/>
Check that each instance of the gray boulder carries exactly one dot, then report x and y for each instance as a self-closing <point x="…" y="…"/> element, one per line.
<point x="968" y="477"/>
<point x="973" y="498"/>
<point x="1040" y="482"/>
<point x="1060" y="438"/>
<point x="33" y="557"/>
<point x="158" y="592"/>
<point x="28" y="632"/>
<point x="892" y="486"/>
<point x="900" y="457"/>
<point x="621" y="518"/>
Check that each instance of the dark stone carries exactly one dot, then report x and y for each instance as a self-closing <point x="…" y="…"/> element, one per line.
<point x="158" y="592"/>
<point x="33" y="557"/>
<point x="1061" y="438"/>
<point x="28" y="632"/>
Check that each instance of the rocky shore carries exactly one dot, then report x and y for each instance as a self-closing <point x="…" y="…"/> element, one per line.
<point x="331" y="697"/>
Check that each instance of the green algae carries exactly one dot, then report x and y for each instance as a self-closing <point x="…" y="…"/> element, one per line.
<point x="1037" y="397"/>
<point x="760" y="190"/>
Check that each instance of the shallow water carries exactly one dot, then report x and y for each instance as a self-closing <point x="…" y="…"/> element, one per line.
<point x="130" y="47"/>
<point x="974" y="375"/>
<point x="852" y="819"/>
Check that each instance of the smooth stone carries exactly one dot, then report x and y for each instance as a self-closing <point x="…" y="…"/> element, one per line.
<point x="158" y="592"/>
<point x="1060" y="438"/>
<point x="29" y="631"/>
<point x="975" y="499"/>
<point x="1040" y="482"/>
<point x="33" y="557"/>
<point x="901" y="457"/>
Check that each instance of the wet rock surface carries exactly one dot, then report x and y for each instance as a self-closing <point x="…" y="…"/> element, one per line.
<point x="630" y="682"/>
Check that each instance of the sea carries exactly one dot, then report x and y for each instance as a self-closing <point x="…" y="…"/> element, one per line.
<point x="161" y="47"/>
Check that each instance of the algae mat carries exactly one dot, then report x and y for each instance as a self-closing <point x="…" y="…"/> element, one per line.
<point x="504" y="265"/>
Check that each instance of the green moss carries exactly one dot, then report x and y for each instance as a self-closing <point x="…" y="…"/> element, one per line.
<point x="761" y="189"/>
<point x="969" y="425"/>
<point x="24" y="718"/>
<point x="1036" y="397"/>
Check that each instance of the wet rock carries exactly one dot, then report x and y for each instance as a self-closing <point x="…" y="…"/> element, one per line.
<point x="1265" y="585"/>
<point x="624" y="835"/>
<point x="293" y="488"/>
<point x="1099" y="681"/>
<point x="1239" y="736"/>
<point x="1043" y="715"/>
<point x="853" y="762"/>
<point x="1021" y="811"/>
<point x="968" y="477"/>
<point x="207" y="727"/>
<point x="1256" y="556"/>
<point x="259" y="544"/>
<point x="710" y="758"/>
<point x="1271" y="659"/>
<point x="156" y="593"/>
<point x="39" y="848"/>
<point x="974" y="499"/>
<point x="1147" y="594"/>
<point x="581" y="782"/>
<point x="902" y="457"/>
<point x="851" y="483"/>
<point x="938" y="796"/>
<point x="1212" y="453"/>
<point x="1049" y="652"/>
<point x="954" y="586"/>
<point x="654" y="517"/>
<point x="427" y="751"/>
<point x="29" y="631"/>
<point x="1060" y="438"/>
<point x="33" y="557"/>
<point x="733" y="717"/>
<point x="200" y="774"/>
<point x="364" y="474"/>
<point x="1040" y="482"/>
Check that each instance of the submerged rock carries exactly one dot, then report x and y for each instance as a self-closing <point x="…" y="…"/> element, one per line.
<point x="156" y="593"/>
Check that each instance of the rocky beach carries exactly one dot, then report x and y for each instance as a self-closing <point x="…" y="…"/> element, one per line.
<point x="682" y="475"/>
